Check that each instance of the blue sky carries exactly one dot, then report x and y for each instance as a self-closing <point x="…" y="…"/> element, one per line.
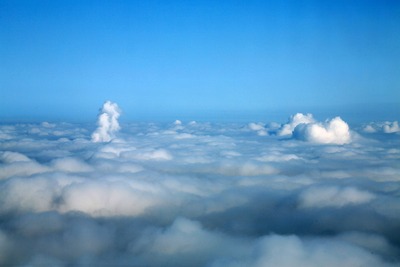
<point x="60" y="60"/>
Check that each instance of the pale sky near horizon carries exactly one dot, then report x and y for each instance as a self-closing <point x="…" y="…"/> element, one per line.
<point x="63" y="59"/>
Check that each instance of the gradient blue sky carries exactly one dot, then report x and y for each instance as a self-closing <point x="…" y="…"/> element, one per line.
<point x="60" y="60"/>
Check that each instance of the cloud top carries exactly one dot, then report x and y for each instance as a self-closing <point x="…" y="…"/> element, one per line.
<point x="107" y="122"/>
<point x="387" y="127"/>
<point x="197" y="194"/>
<point x="331" y="196"/>
<point x="335" y="131"/>
<point x="304" y="127"/>
<point x="294" y="120"/>
<point x="391" y="127"/>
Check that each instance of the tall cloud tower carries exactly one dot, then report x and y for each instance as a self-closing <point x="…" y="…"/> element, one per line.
<point x="107" y="123"/>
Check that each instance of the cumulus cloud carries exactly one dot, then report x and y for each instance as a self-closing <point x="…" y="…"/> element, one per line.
<point x="186" y="242"/>
<point x="68" y="164"/>
<point x="275" y="156"/>
<point x="291" y="250"/>
<point x="369" y="129"/>
<point x="259" y="128"/>
<point x="297" y="119"/>
<point x="107" y="122"/>
<point x="385" y="127"/>
<point x="154" y="154"/>
<point x="10" y="157"/>
<point x="197" y="194"/>
<point x="330" y="196"/>
<point x="304" y="127"/>
<point x="391" y="127"/>
<point x="116" y="198"/>
<point x="17" y="164"/>
<point x="334" y="131"/>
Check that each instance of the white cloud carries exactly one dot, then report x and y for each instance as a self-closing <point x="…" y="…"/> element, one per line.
<point x="97" y="198"/>
<point x="256" y="126"/>
<point x="47" y="124"/>
<point x="34" y="194"/>
<point x="156" y="154"/>
<point x="20" y="166"/>
<point x="259" y="128"/>
<point x="275" y="156"/>
<point x="184" y="136"/>
<point x="10" y="157"/>
<point x="107" y="122"/>
<point x="298" y="118"/>
<point x="71" y="165"/>
<point x="385" y="127"/>
<point x="391" y="127"/>
<point x="287" y="251"/>
<point x="369" y="129"/>
<point x="334" y="131"/>
<point x="304" y="127"/>
<point x="245" y="169"/>
<point x="332" y="196"/>
<point x="186" y="243"/>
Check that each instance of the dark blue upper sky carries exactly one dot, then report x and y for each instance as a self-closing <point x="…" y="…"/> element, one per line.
<point x="62" y="59"/>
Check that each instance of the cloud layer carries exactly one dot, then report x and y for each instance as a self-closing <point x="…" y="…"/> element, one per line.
<point x="199" y="194"/>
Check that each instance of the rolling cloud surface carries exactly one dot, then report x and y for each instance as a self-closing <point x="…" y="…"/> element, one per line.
<point x="304" y="193"/>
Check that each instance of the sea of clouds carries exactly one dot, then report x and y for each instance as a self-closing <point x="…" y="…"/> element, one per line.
<point x="298" y="193"/>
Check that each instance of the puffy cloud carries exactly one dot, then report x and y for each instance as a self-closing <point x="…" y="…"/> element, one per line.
<point x="157" y="154"/>
<point x="71" y="165"/>
<point x="185" y="243"/>
<point x="259" y="128"/>
<point x="10" y="157"/>
<point x="304" y="127"/>
<point x="107" y="122"/>
<point x="275" y="156"/>
<point x="17" y="164"/>
<point x="291" y="250"/>
<point x="334" y="131"/>
<point x="6" y="132"/>
<point x="297" y="119"/>
<point x="391" y="127"/>
<point x="22" y="195"/>
<point x="369" y="129"/>
<point x="116" y="198"/>
<point x="256" y="126"/>
<point x="331" y="196"/>
<point x="48" y="125"/>
<point x="245" y="169"/>
<point x="385" y="127"/>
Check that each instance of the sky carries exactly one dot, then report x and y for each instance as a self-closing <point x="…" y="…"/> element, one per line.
<point x="200" y="133"/>
<point x="60" y="60"/>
